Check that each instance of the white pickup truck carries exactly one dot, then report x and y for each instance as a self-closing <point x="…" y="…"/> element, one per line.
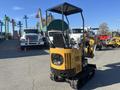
<point x="76" y="35"/>
<point x="31" y="37"/>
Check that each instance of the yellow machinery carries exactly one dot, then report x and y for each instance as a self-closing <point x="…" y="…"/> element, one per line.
<point x="116" y="40"/>
<point x="90" y="46"/>
<point x="111" y="43"/>
<point x="105" y="41"/>
<point x="67" y="59"/>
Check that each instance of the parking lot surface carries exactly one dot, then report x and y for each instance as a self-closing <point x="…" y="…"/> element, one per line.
<point x="29" y="70"/>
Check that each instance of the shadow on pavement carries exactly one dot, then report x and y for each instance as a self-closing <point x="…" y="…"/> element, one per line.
<point x="104" y="77"/>
<point x="11" y="49"/>
<point x="106" y="49"/>
<point x="4" y="54"/>
<point x="16" y="54"/>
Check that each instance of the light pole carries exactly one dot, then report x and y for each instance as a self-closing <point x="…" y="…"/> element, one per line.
<point x="26" y="18"/>
<point x="20" y="27"/>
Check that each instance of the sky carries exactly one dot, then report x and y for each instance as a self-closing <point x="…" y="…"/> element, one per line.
<point x="95" y="11"/>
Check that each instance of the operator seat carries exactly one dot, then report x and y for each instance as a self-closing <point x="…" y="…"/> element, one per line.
<point x="59" y="37"/>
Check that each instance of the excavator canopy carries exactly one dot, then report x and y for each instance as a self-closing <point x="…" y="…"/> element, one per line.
<point x="66" y="9"/>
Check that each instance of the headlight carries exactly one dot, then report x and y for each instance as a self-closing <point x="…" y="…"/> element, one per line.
<point x="57" y="59"/>
<point x="22" y="40"/>
<point x="40" y="40"/>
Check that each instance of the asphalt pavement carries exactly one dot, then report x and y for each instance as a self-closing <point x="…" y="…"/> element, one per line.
<point x="29" y="70"/>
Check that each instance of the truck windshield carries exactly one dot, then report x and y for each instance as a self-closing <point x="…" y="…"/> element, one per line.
<point x="76" y="30"/>
<point x="31" y="31"/>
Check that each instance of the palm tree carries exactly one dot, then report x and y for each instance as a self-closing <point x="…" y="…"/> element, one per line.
<point x="13" y="26"/>
<point x="1" y="26"/>
<point x="7" y="20"/>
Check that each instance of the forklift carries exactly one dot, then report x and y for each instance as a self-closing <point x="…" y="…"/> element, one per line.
<point x="67" y="59"/>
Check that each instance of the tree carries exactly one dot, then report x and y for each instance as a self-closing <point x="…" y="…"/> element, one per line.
<point x="13" y="26"/>
<point x="7" y="20"/>
<point x="1" y="26"/>
<point x="103" y="29"/>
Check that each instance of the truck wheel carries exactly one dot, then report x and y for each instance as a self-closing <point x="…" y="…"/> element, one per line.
<point x="113" y="46"/>
<point x="46" y="45"/>
<point x="23" y="48"/>
<point x="99" y="47"/>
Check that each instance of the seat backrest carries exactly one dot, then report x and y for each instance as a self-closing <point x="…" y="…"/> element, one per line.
<point x="58" y="25"/>
<point x="58" y="40"/>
